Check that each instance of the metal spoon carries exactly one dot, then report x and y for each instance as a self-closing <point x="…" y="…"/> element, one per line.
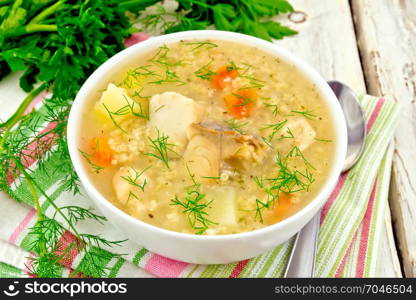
<point x="302" y="259"/>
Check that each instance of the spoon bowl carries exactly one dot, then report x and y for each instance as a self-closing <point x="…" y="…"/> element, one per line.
<point x="355" y="119"/>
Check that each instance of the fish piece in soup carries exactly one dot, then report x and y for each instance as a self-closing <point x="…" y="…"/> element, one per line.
<point x="303" y="133"/>
<point x="173" y="114"/>
<point x="203" y="157"/>
<point x="129" y="183"/>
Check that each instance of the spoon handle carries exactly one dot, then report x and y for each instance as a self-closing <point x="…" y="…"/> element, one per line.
<point x="302" y="259"/>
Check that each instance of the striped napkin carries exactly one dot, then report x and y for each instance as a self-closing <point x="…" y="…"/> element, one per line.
<point x="349" y="238"/>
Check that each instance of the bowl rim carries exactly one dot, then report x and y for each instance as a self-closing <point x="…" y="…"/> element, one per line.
<point x="340" y="130"/>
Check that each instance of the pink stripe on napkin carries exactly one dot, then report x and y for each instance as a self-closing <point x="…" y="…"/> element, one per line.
<point x="375" y="113"/>
<point x="68" y="240"/>
<point x="239" y="268"/>
<point x="31" y="154"/>
<point x="362" y="252"/>
<point x="22" y="226"/>
<point x="164" y="267"/>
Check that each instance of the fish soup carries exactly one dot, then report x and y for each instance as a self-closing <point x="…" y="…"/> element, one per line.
<point x="208" y="137"/>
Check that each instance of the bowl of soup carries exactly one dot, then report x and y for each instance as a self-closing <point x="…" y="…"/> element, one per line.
<point x="207" y="146"/>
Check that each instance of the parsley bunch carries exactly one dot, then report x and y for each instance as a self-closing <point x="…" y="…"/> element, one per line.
<point x="251" y="17"/>
<point x="59" y="41"/>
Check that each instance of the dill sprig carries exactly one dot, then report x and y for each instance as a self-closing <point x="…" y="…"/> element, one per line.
<point x="323" y="140"/>
<point x="296" y="152"/>
<point x="162" y="59"/>
<point x="134" y="77"/>
<point x="253" y="82"/>
<point x="129" y="108"/>
<point x="161" y="19"/>
<point x="236" y="125"/>
<point x="273" y="107"/>
<point x="205" y="72"/>
<point x="195" y="205"/>
<point x="169" y="77"/>
<point x="161" y="147"/>
<point x="285" y="181"/>
<point x="276" y="127"/>
<point x="95" y="168"/>
<point x="306" y="114"/>
<point x="288" y="136"/>
<point x="133" y="180"/>
<point x="200" y="45"/>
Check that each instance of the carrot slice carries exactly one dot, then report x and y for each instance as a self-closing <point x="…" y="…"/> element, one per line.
<point x="224" y="77"/>
<point x="282" y="207"/>
<point x="102" y="154"/>
<point x="242" y="103"/>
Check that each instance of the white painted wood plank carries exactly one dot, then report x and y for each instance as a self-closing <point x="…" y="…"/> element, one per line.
<point x="386" y="32"/>
<point x="389" y="265"/>
<point x="327" y="41"/>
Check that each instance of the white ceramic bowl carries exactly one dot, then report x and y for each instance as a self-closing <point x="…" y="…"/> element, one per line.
<point x="195" y="248"/>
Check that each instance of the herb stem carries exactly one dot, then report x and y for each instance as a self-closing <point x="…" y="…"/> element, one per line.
<point x="47" y="12"/>
<point x="26" y="102"/>
<point x="18" y="114"/>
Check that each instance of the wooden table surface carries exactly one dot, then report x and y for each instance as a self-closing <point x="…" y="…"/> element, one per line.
<point x="371" y="46"/>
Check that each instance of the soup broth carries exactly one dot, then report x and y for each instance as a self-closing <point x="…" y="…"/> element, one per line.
<point x="208" y="137"/>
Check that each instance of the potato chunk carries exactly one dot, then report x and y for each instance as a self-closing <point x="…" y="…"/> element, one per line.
<point x="222" y="209"/>
<point x="114" y="99"/>
<point x="173" y="113"/>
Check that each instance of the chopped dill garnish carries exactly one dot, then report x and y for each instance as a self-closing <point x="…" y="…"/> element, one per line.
<point x="133" y="180"/>
<point x="231" y="66"/>
<point x="120" y="112"/>
<point x="267" y="142"/>
<point x="252" y="81"/>
<point x="260" y="205"/>
<point x="135" y="76"/>
<point x="137" y="113"/>
<point x="131" y="195"/>
<point x="161" y="19"/>
<point x="161" y="58"/>
<point x="160" y="107"/>
<point x="274" y="107"/>
<point x="243" y="99"/>
<point x="199" y="45"/>
<point x="96" y="168"/>
<point x="236" y="125"/>
<point x="205" y="72"/>
<point x="285" y="181"/>
<point x="125" y="110"/>
<point x="323" y="140"/>
<point x="295" y="152"/>
<point x="275" y="129"/>
<point x="194" y="205"/>
<point x="138" y="94"/>
<point x="211" y="177"/>
<point x="288" y="136"/>
<point x="170" y="77"/>
<point x="161" y="146"/>
<point x="306" y="114"/>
